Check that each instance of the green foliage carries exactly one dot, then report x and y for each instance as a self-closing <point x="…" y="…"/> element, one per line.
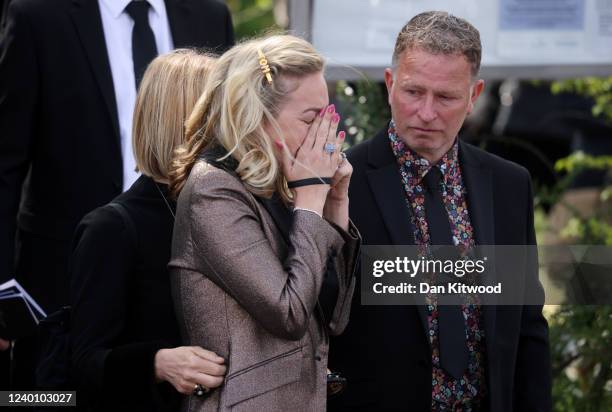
<point x="252" y="17"/>
<point x="364" y="107"/>
<point x="600" y="89"/>
<point x="594" y="229"/>
<point x="570" y="167"/>
<point x="591" y="231"/>
<point x="581" y="337"/>
<point x="579" y="161"/>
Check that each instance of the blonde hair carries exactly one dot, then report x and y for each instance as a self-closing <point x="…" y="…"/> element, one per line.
<point x="236" y="104"/>
<point x="168" y="91"/>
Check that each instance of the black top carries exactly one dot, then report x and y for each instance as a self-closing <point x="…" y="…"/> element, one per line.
<point x="122" y="306"/>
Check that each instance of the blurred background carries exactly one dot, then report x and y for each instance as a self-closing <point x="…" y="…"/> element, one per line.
<point x="561" y="130"/>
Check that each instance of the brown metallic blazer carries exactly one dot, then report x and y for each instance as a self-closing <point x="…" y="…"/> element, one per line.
<point x="241" y="291"/>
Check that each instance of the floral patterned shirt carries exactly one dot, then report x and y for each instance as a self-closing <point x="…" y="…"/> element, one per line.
<point x="448" y="393"/>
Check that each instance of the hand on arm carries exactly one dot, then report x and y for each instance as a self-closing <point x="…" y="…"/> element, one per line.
<point x="186" y="366"/>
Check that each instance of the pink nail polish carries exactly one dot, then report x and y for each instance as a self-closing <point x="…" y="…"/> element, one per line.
<point x="336" y="118"/>
<point x="331" y="108"/>
<point x="322" y="112"/>
<point x="278" y="144"/>
<point x="341" y="135"/>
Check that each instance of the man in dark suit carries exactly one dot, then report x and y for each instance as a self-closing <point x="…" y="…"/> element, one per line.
<point x="68" y="76"/>
<point x="415" y="183"/>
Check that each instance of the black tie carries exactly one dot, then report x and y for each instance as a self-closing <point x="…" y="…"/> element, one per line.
<point x="451" y="324"/>
<point x="143" y="41"/>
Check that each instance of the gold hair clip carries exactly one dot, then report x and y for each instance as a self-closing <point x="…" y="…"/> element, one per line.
<point x="265" y="67"/>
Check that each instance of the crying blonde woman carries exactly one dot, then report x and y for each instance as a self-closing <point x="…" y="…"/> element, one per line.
<point x="264" y="253"/>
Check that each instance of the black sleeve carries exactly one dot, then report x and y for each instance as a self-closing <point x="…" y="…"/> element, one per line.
<point x="18" y="96"/>
<point x="103" y="260"/>
<point x="533" y="381"/>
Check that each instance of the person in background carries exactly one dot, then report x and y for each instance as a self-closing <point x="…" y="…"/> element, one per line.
<point x="417" y="183"/>
<point x="69" y="71"/>
<point x="124" y="336"/>
<point x="263" y="250"/>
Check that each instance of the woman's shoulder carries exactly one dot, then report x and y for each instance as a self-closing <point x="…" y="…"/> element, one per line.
<point x="203" y="170"/>
<point x="207" y="179"/>
<point x="212" y="194"/>
<point x="139" y="206"/>
<point x="104" y="223"/>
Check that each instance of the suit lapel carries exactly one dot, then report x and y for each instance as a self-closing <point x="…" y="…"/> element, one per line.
<point x="179" y="17"/>
<point x="86" y="17"/>
<point x="386" y="184"/>
<point x="478" y="181"/>
<point x="479" y="184"/>
<point x="391" y="199"/>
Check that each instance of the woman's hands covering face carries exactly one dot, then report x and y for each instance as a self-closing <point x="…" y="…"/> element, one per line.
<point x="311" y="160"/>
<point x="337" y="202"/>
<point x="342" y="177"/>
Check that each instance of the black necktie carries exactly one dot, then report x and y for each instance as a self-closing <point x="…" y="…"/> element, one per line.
<point x="143" y="41"/>
<point x="451" y="324"/>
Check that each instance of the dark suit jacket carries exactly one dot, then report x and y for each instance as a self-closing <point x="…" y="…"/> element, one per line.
<point x="385" y="352"/>
<point x="122" y="311"/>
<point x="58" y="121"/>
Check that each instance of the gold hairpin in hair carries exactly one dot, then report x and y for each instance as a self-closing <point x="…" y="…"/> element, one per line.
<point x="265" y="67"/>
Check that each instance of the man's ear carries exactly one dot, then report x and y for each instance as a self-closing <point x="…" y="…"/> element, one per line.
<point x="389" y="83"/>
<point x="477" y="88"/>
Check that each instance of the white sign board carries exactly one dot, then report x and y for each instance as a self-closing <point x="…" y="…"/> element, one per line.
<point x="530" y="38"/>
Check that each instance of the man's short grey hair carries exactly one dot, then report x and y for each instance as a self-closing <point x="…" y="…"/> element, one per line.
<point x="439" y="32"/>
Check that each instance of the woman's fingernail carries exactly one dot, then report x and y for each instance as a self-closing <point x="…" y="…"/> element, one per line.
<point x="341" y="135"/>
<point x="331" y="108"/>
<point x="322" y="112"/>
<point x="336" y="118"/>
<point x="278" y="144"/>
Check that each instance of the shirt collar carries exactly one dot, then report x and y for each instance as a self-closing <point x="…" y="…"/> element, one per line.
<point x="157" y="6"/>
<point x="416" y="165"/>
<point x="116" y="7"/>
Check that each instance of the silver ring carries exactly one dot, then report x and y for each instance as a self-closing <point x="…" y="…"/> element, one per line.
<point x="329" y="148"/>
<point x="343" y="156"/>
<point x="200" y="390"/>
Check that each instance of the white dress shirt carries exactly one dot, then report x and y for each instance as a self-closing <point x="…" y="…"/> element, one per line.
<point x="118" y="26"/>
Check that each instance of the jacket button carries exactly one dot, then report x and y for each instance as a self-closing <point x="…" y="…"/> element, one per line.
<point x="318" y="358"/>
